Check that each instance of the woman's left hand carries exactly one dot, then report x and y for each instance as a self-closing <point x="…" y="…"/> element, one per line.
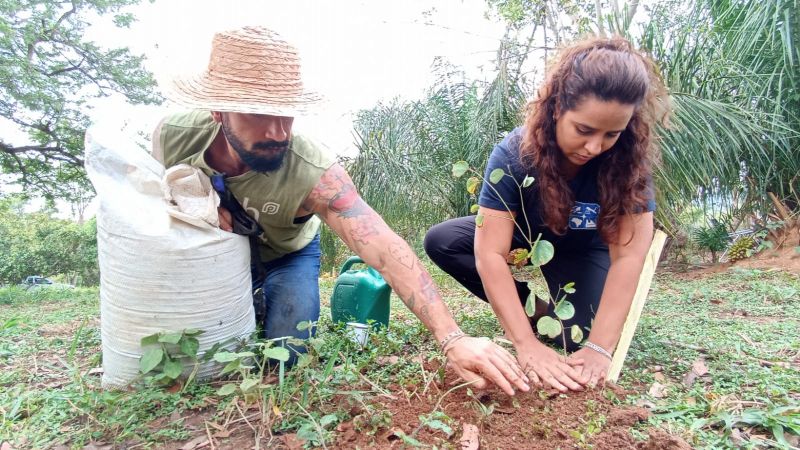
<point x="594" y="367"/>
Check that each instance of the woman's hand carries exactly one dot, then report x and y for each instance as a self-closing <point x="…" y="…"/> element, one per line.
<point x="546" y="367"/>
<point x="592" y="365"/>
<point x="479" y="360"/>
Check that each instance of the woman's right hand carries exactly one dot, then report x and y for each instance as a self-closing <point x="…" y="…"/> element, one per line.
<point x="544" y="366"/>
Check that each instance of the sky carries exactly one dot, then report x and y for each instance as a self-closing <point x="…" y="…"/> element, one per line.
<point x="356" y="53"/>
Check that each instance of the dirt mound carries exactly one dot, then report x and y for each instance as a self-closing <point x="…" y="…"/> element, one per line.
<point x="434" y="415"/>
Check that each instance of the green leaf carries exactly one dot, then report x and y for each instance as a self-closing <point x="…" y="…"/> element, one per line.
<point x="304" y="325"/>
<point x="576" y="333"/>
<point x="225" y="357"/>
<point x="548" y="326"/>
<point x="530" y="305"/>
<point x="474" y="208"/>
<point x="150" y="359"/>
<point x="170" y="338"/>
<point x="460" y="168"/>
<point x="569" y="288"/>
<point x="496" y="175"/>
<point x="542" y="253"/>
<point x="527" y="181"/>
<point x="472" y="185"/>
<point x="479" y="220"/>
<point x="436" y="424"/>
<point x="248" y="383"/>
<point x="279" y="353"/>
<point x="173" y="368"/>
<point x="565" y="310"/>
<point x="408" y="440"/>
<point x="190" y="346"/>
<point x="231" y="366"/>
<point x="327" y="420"/>
<point x="226" y="389"/>
<point x="192" y="332"/>
<point x="150" y="340"/>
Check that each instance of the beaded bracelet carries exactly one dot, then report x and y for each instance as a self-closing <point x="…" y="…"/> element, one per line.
<point x="450" y="337"/>
<point x="598" y="349"/>
<point x="450" y="343"/>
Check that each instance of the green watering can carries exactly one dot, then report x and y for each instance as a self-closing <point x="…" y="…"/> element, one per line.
<point x="360" y="295"/>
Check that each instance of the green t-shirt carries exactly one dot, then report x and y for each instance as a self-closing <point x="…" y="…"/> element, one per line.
<point x="271" y="198"/>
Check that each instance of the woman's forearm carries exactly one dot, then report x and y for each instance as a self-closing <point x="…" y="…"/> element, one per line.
<point x="620" y="287"/>
<point x="502" y="294"/>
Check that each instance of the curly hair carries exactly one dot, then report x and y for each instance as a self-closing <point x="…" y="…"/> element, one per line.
<point x="609" y="69"/>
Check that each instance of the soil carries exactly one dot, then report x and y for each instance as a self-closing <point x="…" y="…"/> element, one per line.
<point x="595" y="419"/>
<point x="785" y="258"/>
<point x="535" y="420"/>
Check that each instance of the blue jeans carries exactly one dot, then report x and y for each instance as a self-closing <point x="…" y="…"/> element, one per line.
<point x="290" y="293"/>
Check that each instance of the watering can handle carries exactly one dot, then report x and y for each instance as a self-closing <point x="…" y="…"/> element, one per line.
<point x="350" y="261"/>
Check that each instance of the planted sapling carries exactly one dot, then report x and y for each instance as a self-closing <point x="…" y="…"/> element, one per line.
<point x="526" y="263"/>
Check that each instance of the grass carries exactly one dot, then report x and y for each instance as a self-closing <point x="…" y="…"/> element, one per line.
<point x="743" y="325"/>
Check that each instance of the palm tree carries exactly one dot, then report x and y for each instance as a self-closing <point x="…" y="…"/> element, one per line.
<point x="732" y="71"/>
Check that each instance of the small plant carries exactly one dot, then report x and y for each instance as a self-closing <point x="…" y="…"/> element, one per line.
<point x="250" y="375"/>
<point x="484" y="411"/>
<point x="713" y="238"/>
<point x="437" y="421"/>
<point x="526" y="263"/>
<point x="165" y="353"/>
<point x="593" y="424"/>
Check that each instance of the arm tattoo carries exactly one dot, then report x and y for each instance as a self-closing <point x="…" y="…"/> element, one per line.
<point x="428" y="288"/>
<point x="401" y="254"/>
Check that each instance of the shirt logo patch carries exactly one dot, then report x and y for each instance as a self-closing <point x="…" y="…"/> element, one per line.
<point x="271" y="208"/>
<point x="584" y="216"/>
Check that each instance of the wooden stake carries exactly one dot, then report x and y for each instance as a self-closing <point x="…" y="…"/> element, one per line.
<point x="639" y="298"/>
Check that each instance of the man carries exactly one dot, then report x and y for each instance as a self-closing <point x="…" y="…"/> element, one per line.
<point x="246" y="102"/>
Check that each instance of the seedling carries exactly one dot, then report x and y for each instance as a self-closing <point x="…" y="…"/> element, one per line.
<point x="526" y="263"/>
<point x="165" y="352"/>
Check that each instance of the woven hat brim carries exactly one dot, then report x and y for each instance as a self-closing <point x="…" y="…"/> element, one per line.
<point x="199" y="92"/>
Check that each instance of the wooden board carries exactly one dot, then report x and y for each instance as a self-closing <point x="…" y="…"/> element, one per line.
<point x="639" y="298"/>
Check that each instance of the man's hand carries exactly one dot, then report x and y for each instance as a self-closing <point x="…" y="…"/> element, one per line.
<point x="592" y="365"/>
<point x="479" y="359"/>
<point x="546" y="367"/>
<point x="225" y="219"/>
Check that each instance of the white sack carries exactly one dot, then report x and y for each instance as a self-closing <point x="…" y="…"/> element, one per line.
<point x="158" y="273"/>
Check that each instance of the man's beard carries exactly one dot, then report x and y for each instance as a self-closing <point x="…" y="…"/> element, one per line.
<point x="258" y="162"/>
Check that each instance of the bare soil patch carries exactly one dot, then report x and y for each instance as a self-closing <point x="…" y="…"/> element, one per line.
<point x="785" y="258"/>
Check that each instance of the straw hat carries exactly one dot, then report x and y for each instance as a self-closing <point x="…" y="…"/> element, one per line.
<point x="251" y="70"/>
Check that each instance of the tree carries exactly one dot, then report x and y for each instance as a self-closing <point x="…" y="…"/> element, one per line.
<point x="39" y="244"/>
<point x="49" y="72"/>
<point x="406" y="149"/>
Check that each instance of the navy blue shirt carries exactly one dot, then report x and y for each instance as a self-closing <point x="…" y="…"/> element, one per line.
<point x="581" y="231"/>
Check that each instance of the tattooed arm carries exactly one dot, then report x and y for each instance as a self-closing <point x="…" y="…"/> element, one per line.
<point x="337" y="202"/>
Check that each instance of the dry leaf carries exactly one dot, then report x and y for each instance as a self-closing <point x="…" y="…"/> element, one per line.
<point x="198" y="442"/>
<point x="97" y="446"/>
<point x="387" y="360"/>
<point x="293" y="442"/>
<point x="699" y="367"/>
<point x="659" y="376"/>
<point x="175" y="387"/>
<point x="698" y="370"/>
<point x="470" y="439"/>
<point x="657" y="390"/>
<point x="222" y="434"/>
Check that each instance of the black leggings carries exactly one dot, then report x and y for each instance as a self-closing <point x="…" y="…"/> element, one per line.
<point x="451" y="245"/>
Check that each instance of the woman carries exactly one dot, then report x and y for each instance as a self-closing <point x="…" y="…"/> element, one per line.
<point x="588" y="143"/>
